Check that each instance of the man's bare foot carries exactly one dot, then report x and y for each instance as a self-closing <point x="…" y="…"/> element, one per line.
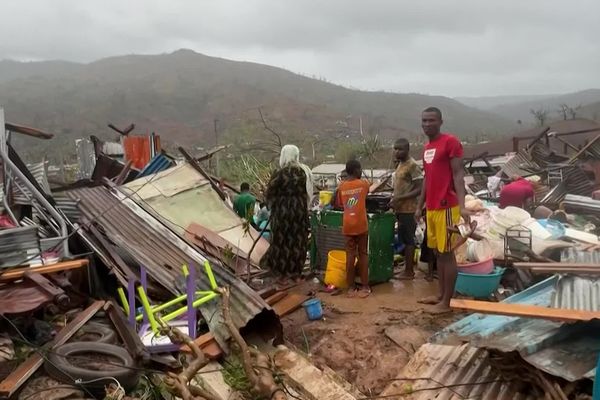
<point x="364" y="292"/>
<point x="432" y="300"/>
<point x="406" y="276"/>
<point x="429" y="277"/>
<point x="439" y="309"/>
<point x="351" y="293"/>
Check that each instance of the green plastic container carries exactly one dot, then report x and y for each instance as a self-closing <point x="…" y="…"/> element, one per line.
<point x="327" y="235"/>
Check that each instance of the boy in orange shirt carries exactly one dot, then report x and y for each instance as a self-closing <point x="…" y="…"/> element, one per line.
<point x="352" y="194"/>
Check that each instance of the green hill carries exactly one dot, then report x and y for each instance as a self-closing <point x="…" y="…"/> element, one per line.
<point x="179" y="96"/>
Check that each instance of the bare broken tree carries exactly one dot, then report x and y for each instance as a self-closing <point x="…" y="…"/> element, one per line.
<point x="540" y="115"/>
<point x="257" y="366"/>
<point x="563" y="111"/>
<point x="573" y="111"/>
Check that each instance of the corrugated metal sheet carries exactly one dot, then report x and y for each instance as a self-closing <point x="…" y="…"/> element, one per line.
<point x="576" y="255"/>
<point x="138" y="149"/>
<point x="566" y="350"/>
<point x="159" y="163"/>
<point x="17" y="245"/>
<point x="21" y="194"/>
<point x="520" y="164"/>
<point x="163" y="253"/>
<point x="173" y="196"/>
<point x="465" y="369"/>
<point x="577" y="293"/>
<point x="86" y="158"/>
<point x="67" y="205"/>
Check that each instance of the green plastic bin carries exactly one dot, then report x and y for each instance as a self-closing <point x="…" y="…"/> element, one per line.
<point x="326" y="227"/>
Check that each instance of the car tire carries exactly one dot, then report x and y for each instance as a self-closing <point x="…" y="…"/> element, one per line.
<point x="102" y="333"/>
<point x="59" y="367"/>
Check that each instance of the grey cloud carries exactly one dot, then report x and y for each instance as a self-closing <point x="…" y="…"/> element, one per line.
<point x="468" y="47"/>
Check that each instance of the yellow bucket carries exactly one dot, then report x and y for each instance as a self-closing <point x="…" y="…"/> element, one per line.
<point x="335" y="274"/>
<point x="325" y="197"/>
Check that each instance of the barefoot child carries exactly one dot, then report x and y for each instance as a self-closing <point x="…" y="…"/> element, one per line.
<point x="352" y="194"/>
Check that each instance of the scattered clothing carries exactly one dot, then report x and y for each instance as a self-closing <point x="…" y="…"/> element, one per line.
<point x="516" y="193"/>
<point x="243" y="205"/>
<point x="405" y="180"/>
<point x="286" y="197"/>
<point x="439" y="181"/>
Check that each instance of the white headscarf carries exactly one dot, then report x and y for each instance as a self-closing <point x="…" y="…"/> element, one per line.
<point x="290" y="154"/>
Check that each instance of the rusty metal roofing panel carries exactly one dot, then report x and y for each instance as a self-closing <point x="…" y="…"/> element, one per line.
<point x="466" y="369"/>
<point x="163" y="253"/>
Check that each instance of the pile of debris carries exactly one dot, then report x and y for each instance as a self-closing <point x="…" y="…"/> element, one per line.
<point x="140" y="264"/>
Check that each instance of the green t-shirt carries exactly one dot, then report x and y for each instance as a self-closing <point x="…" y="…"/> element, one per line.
<point x="243" y="205"/>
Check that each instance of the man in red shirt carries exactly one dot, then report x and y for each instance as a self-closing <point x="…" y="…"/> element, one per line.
<point x="443" y="193"/>
<point x="518" y="193"/>
<point x="352" y="194"/>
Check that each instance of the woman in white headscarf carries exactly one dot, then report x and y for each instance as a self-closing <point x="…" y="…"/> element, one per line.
<point x="290" y="155"/>
<point x="288" y="197"/>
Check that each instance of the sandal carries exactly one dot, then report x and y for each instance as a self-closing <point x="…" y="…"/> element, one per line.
<point x="363" y="293"/>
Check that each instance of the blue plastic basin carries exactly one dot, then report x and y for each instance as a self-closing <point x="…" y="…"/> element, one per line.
<point x="313" y="309"/>
<point x="477" y="285"/>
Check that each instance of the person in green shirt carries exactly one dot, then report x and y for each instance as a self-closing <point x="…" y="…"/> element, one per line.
<point x="243" y="204"/>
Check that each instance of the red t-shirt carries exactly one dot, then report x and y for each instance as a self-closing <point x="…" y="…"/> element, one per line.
<point x="440" y="192"/>
<point x="352" y="195"/>
<point x="515" y="193"/>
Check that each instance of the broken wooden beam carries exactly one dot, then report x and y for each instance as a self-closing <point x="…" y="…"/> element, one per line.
<point x="275" y="298"/>
<point x="26" y="369"/>
<point x="524" y="310"/>
<point x="289" y="304"/>
<point x="208" y="344"/>
<point x="18" y="273"/>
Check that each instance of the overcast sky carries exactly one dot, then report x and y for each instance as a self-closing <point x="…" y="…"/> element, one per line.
<point x="446" y="47"/>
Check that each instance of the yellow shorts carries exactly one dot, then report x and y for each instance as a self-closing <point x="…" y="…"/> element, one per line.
<point x="438" y="237"/>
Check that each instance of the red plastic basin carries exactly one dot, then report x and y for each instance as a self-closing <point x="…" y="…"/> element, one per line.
<point x="481" y="267"/>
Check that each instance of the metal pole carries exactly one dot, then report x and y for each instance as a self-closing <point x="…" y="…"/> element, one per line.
<point x="8" y="164"/>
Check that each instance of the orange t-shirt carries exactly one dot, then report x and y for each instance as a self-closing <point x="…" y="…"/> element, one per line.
<point x="352" y="194"/>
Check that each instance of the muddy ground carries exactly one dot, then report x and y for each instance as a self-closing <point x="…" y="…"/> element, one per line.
<point x="353" y="338"/>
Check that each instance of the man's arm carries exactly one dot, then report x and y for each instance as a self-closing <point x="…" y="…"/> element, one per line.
<point x="458" y="176"/>
<point x="421" y="200"/>
<point x="413" y="193"/>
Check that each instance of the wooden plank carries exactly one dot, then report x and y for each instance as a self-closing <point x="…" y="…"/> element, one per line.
<point x="208" y="344"/>
<point x="587" y="271"/>
<point x="307" y="379"/>
<point x="554" y="265"/>
<point x="18" y="273"/>
<point x="267" y="292"/>
<point x="25" y="370"/>
<point x="289" y="304"/>
<point x="276" y="298"/>
<point x="524" y="310"/>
